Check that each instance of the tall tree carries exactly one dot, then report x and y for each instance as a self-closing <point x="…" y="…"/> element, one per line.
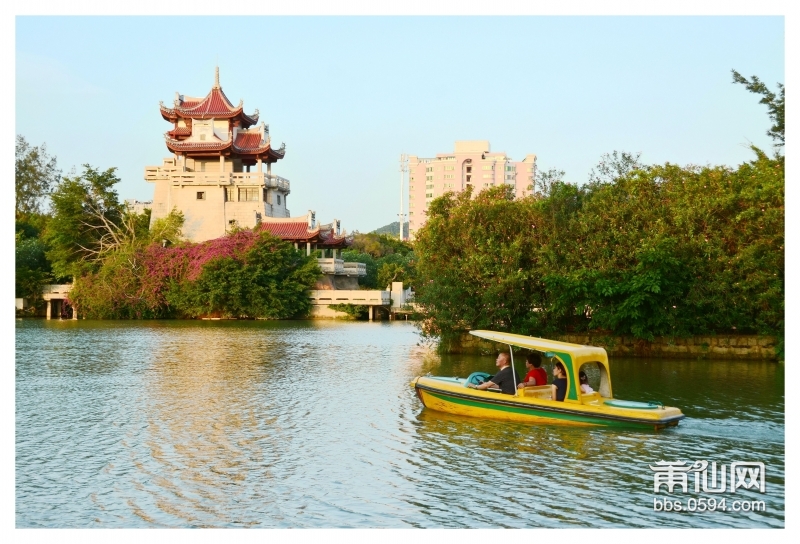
<point x="615" y="165"/>
<point x="85" y="209"/>
<point x="775" y="104"/>
<point x="32" y="269"/>
<point x="36" y="173"/>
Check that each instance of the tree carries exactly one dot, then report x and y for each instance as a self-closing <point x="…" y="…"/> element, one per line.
<point x="86" y="214"/>
<point x="270" y="279"/>
<point x="544" y="181"/>
<point x="645" y="251"/>
<point x="35" y="174"/>
<point x="613" y="166"/>
<point x="477" y="261"/>
<point x="396" y="267"/>
<point x="32" y="267"/>
<point x="775" y="104"/>
<point x="379" y="245"/>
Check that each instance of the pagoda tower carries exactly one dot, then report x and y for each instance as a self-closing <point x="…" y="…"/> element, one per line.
<point x="216" y="175"/>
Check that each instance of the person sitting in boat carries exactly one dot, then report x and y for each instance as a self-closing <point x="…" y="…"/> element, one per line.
<point x="585" y="387"/>
<point x="504" y="379"/>
<point x="536" y="374"/>
<point x="559" y="381"/>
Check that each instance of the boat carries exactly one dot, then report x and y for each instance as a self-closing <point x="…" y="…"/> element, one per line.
<point x="534" y="404"/>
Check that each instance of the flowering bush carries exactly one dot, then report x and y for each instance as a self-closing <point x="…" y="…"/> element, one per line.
<point x="243" y="274"/>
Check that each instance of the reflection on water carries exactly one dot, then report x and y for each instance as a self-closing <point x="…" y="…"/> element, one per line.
<point x="313" y="424"/>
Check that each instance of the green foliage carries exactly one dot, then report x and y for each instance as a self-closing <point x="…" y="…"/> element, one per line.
<point x="35" y="173"/>
<point x="270" y="280"/>
<point x="641" y="250"/>
<point x="355" y="311"/>
<point x="379" y="245"/>
<point x="396" y="267"/>
<point x="475" y="263"/>
<point x="240" y="275"/>
<point x="776" y="105"/>
<point x="122" y="285"/>
<point x="370" y="281"/>
<point x="85" y="210"/>
<point x="387" y="259"/>
<point x="32" y="268"/>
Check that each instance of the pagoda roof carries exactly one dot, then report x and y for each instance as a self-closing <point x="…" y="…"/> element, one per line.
<point x="215" y="105"/>
<point x="254" y="142"/>
<point x="328" y="237"/>
<point x="293" y="231"/>
<point x="296" y="229"/>
<point x="180" y="131"/>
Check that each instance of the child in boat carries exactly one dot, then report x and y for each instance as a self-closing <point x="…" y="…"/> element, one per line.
<point x="585" y="387"/>
<point x="536" y="374"/>
<point x="559" y="382"/>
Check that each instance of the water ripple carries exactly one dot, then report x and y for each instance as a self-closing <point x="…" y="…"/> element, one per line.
<point x="313" y="424"/>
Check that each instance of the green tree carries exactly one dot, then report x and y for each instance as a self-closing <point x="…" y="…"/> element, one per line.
<point x="476" y="263"/>
<point x="648" y="250"/>
<point x="776" y="104"/>
<point x="615" y="165"/>
<point x="270" y="280"/>
<point x="36" y="173"/>
<point x="379" y="245"/>
<point x="370" y="281"/>
<point x="32" y="267"/>
<point x="86" y="214"/>
<point x="396" y="267"/>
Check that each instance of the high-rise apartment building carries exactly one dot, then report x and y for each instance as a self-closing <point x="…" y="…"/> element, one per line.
<point x="472" y="164"/>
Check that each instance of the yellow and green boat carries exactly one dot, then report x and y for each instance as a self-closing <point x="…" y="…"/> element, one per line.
<point x="534" y="404"/>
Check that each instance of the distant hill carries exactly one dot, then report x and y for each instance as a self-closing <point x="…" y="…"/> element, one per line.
<point x="392" y="228"/>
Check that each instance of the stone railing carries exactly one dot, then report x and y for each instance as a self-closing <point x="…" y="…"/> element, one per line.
<point x="175" y="175"/>
<point x="355" y="269"/>
<point x="339" y="267"/>
<point x="331" y="266"/>
<point x="57" y="289"/>
<point x="363" y="298"/>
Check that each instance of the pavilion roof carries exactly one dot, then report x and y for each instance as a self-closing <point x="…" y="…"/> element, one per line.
<point x="296" y="229"/>
<point x="215" y="105"/>
<point x="293" y="231"/>
<point x="254" y="142"/>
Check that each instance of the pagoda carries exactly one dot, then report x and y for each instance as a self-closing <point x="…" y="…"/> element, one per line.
<point x="216" y="175"/>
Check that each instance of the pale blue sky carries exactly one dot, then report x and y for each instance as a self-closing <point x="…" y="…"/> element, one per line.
<point x="349" y="94"/>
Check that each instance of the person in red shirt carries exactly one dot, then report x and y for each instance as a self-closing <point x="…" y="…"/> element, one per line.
<point x="536" y="374"/>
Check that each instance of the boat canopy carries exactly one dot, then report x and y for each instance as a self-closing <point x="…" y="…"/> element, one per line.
<point x="573" y="356"/>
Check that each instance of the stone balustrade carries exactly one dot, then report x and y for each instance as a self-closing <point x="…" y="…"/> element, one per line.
<point x="177" y="176"/>
<point x="339" y="267"/>
<point x="363" y="298"/>
<point x="331" y="265"/>
<point x="355" y="269"/>
<point x="56" y="290"/>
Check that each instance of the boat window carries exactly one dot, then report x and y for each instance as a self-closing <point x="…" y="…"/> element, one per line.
<point x="598" y="378"/>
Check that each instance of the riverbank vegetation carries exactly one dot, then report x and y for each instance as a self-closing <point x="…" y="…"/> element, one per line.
<point x="122" y="267"/>
<point x="387" y="259"/>
<point x="639" y="250"/>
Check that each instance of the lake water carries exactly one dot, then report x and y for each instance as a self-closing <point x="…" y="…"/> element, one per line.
<point x="312" y="424"/>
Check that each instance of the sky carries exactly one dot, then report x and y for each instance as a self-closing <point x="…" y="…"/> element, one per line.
<point x="348" y="95"/>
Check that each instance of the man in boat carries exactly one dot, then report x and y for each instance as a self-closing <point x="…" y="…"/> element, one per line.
<point x="504" y="379"/>
<point x="536" y="374"/>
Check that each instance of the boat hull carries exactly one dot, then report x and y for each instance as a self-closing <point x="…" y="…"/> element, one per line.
<point x="449" y="395"/>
